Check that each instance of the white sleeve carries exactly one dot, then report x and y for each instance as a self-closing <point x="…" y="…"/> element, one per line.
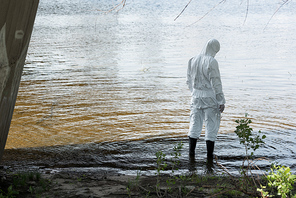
<point x="216" y="83"/>
<point x="189" y="79"/>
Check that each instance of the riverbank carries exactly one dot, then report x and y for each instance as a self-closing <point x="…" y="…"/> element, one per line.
<point x="72" y="184"/>
<point x="86" y="171"/>
<point x="122" y="169"/>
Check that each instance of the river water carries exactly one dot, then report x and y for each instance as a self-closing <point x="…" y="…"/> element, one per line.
<point x="93" y="77"/>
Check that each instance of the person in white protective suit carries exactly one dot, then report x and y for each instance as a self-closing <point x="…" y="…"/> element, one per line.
<point x="207" y="98"/>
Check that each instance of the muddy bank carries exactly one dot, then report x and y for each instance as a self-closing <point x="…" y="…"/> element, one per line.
<point x="128" y="157"/>
<point x="73" y="184"/>
<point x="106" y="169"/>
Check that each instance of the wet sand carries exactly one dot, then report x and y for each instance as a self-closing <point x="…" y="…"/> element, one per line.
<point x="69" y="184"/>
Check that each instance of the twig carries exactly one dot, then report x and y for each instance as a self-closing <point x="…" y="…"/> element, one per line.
<point x="237" y="187"/>
<point x="208" y="186"/>
<point x="159" y="194"/>
<point x="220" y="193"/>
<point x="285" y="2"/>
<point x="247" y="11"/>
<point x="252" y="175"/>
<point x="180" y="192"/>
<point x="223" y="168"/>
<point x="144" y="188"/>
<point x="191" y="191"/>
<point x="207" y="12"/>
<point x="108" y="11"/>
<point x="182" y="10"/>
<point x="121" y="3"/>
<point x="255" y="165"/>
<point x="247" y="173"/>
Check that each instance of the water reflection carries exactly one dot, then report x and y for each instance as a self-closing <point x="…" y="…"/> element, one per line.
<point x="106" y="78"/>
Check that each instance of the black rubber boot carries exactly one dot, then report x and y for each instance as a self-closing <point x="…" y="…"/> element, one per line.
<point x="210" y="165"/>
<point x="192" y="145"/>
<point x="210" y="149"/>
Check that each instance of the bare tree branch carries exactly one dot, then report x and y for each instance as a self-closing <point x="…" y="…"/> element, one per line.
<point x="284" y="2"/>
<point x="207" y="12"/>
<point x="247" y="11"/>
<point x="182" y="10"/>
<point x="123" y="2"/>
<point x="246" y="16"/>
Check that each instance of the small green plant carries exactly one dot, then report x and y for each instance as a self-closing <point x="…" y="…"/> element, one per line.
<point x="31" y="190"/>
<point x="133" y="184"/>
<point x="147" y="194"/>
<point x="10" y="193"/>
<point x="234" y="193"/>
<point x="247" y="136"/>
<point x="184" y="178"/>
<point x="161" y="165"/>
<point x="176" y="155"/>
<point x="128" y="189"/>
<point x="263" y="192"/>
<point x="175" y="161"/>
<point x="185" y="190"/>
<point x="26" y="181"/>
<point x="19" y="180"/>
<point x="251" y="141"/>
<point x="280" y="178"/>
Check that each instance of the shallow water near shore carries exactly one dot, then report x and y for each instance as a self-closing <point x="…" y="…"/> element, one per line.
<point x="132" y="157"/>
<point x="115" y="83"/>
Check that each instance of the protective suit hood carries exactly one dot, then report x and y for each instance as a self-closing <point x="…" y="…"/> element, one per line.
<point x="211" y="49"/>
<point x="203" y="77"/>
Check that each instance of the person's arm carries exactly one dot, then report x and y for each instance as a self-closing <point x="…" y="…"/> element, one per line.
<point x="189" y="80"/>
<point x="216" y="83"/>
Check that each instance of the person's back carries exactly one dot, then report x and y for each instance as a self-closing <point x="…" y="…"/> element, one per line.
<point x="207" y="102"/>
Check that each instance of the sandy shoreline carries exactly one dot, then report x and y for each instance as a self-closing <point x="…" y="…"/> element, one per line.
<point x="71" y="184"/>
<point x="110" y="170"/>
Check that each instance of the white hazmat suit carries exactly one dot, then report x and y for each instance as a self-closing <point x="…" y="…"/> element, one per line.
<point x="207" y="101"/>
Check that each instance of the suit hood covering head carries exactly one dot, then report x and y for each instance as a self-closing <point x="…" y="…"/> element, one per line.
<point x="212" y="48"/>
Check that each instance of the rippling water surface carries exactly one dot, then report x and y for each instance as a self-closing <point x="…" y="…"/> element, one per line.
<point x="92" y="77"/>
